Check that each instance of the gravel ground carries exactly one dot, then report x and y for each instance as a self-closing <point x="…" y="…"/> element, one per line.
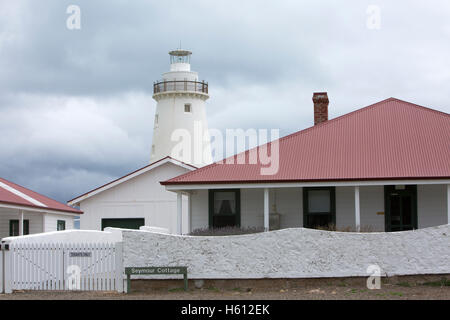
<point x="398" y="288"/>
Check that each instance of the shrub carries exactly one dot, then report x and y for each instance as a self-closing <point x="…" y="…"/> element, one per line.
<point x="226" y="231"/>
<point x="332" y="227"/>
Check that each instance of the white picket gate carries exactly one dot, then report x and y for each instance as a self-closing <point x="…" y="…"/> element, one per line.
<point x="64" y="266"/>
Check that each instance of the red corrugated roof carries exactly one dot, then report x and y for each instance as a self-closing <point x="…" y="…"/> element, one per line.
<point x="18" y="196"/>
<point x="391" y="139"/>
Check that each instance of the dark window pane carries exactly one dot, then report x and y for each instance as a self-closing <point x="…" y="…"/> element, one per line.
<point x="14" y="228"/>
<point x="224" y="221"/>
<point x="26" y="227"/>
<point x="395" y="210"/>
<point x="319" y="201"/>
<point x="61" y="225"/>
<point x="406" y="210"/>
<point x="225" y="202"/>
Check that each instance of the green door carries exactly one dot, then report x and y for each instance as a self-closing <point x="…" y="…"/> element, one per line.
<point x="125" y="223"/>
<point x="400" y="208"/>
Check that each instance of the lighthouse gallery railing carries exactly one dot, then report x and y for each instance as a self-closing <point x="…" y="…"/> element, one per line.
<point x="180" y="85"/>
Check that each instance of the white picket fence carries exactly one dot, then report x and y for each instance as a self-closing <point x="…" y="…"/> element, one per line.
<point x="64" y="266"/>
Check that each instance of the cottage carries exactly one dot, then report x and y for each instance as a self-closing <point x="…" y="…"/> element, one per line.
<point x="23" y="212"/>
<point x="385" y="166"/>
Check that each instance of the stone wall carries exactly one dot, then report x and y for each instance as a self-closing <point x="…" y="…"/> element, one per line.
<point x="293" y="253"/>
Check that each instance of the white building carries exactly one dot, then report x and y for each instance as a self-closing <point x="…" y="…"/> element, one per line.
<point x="134" y="200"/>
<point x="385" y="167"/>
<point x="23" y="212"/>
<point x="180" y="133"/>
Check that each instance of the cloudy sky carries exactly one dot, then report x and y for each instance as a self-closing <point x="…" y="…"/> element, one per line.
<point x="76" y="106"/>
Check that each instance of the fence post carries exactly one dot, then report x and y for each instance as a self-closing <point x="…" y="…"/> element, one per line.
<point x="7" y="256"/>
<point x="119" y="267"/>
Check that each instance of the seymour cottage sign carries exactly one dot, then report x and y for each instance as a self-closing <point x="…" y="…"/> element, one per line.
<point x="129" y="271"/>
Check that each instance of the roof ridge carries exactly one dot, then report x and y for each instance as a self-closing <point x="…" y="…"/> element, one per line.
<point x="421" y="107"/>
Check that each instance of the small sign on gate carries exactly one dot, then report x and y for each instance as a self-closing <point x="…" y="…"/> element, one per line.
<point x="80" y="254"/>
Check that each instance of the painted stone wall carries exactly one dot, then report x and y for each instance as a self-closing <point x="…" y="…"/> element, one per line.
<point x="293" y="253"/>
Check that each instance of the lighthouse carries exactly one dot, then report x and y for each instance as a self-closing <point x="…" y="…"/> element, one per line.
<point x="180" y="127"/>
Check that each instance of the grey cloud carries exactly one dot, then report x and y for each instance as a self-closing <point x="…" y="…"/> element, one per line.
<point x="76" y="107"/>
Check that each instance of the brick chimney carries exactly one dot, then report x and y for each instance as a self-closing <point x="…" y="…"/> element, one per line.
<point x="320" y="100"/>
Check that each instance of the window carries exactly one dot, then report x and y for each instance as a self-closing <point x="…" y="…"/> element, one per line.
<point x="187" y="107"/>
<point x="156" y="120"/>
<point x="14" y="227"/>
<point x="224" y="208"/>
<point x="61" y="225"/>
<point x="319" y="207"/>
<point x="153" y="150"/>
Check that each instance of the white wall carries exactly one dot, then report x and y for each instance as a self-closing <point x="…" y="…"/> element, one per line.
<point x="293" y="253"/>
<point x="140" y="197"/>
<point x="371" y="201"/>
<point x="199" y="207"/>
<point x="252" y="208"/>
<point x="431" y="205"/>
<point x="51" y="222"/>
<point x="345" y="207"/>
<point x="289" y="203"/>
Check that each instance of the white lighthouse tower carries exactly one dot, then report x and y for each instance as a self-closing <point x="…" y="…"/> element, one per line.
<point x="180" y="127"/>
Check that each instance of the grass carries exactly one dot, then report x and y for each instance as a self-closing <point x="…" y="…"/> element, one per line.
<point x="444" y="282"/>
<point x="332" y="227"/>
<point x="176" y="290"/>
<point x="398" y="294"/>
<point x="404" y="284"/>
<point x="226" y="231"/>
